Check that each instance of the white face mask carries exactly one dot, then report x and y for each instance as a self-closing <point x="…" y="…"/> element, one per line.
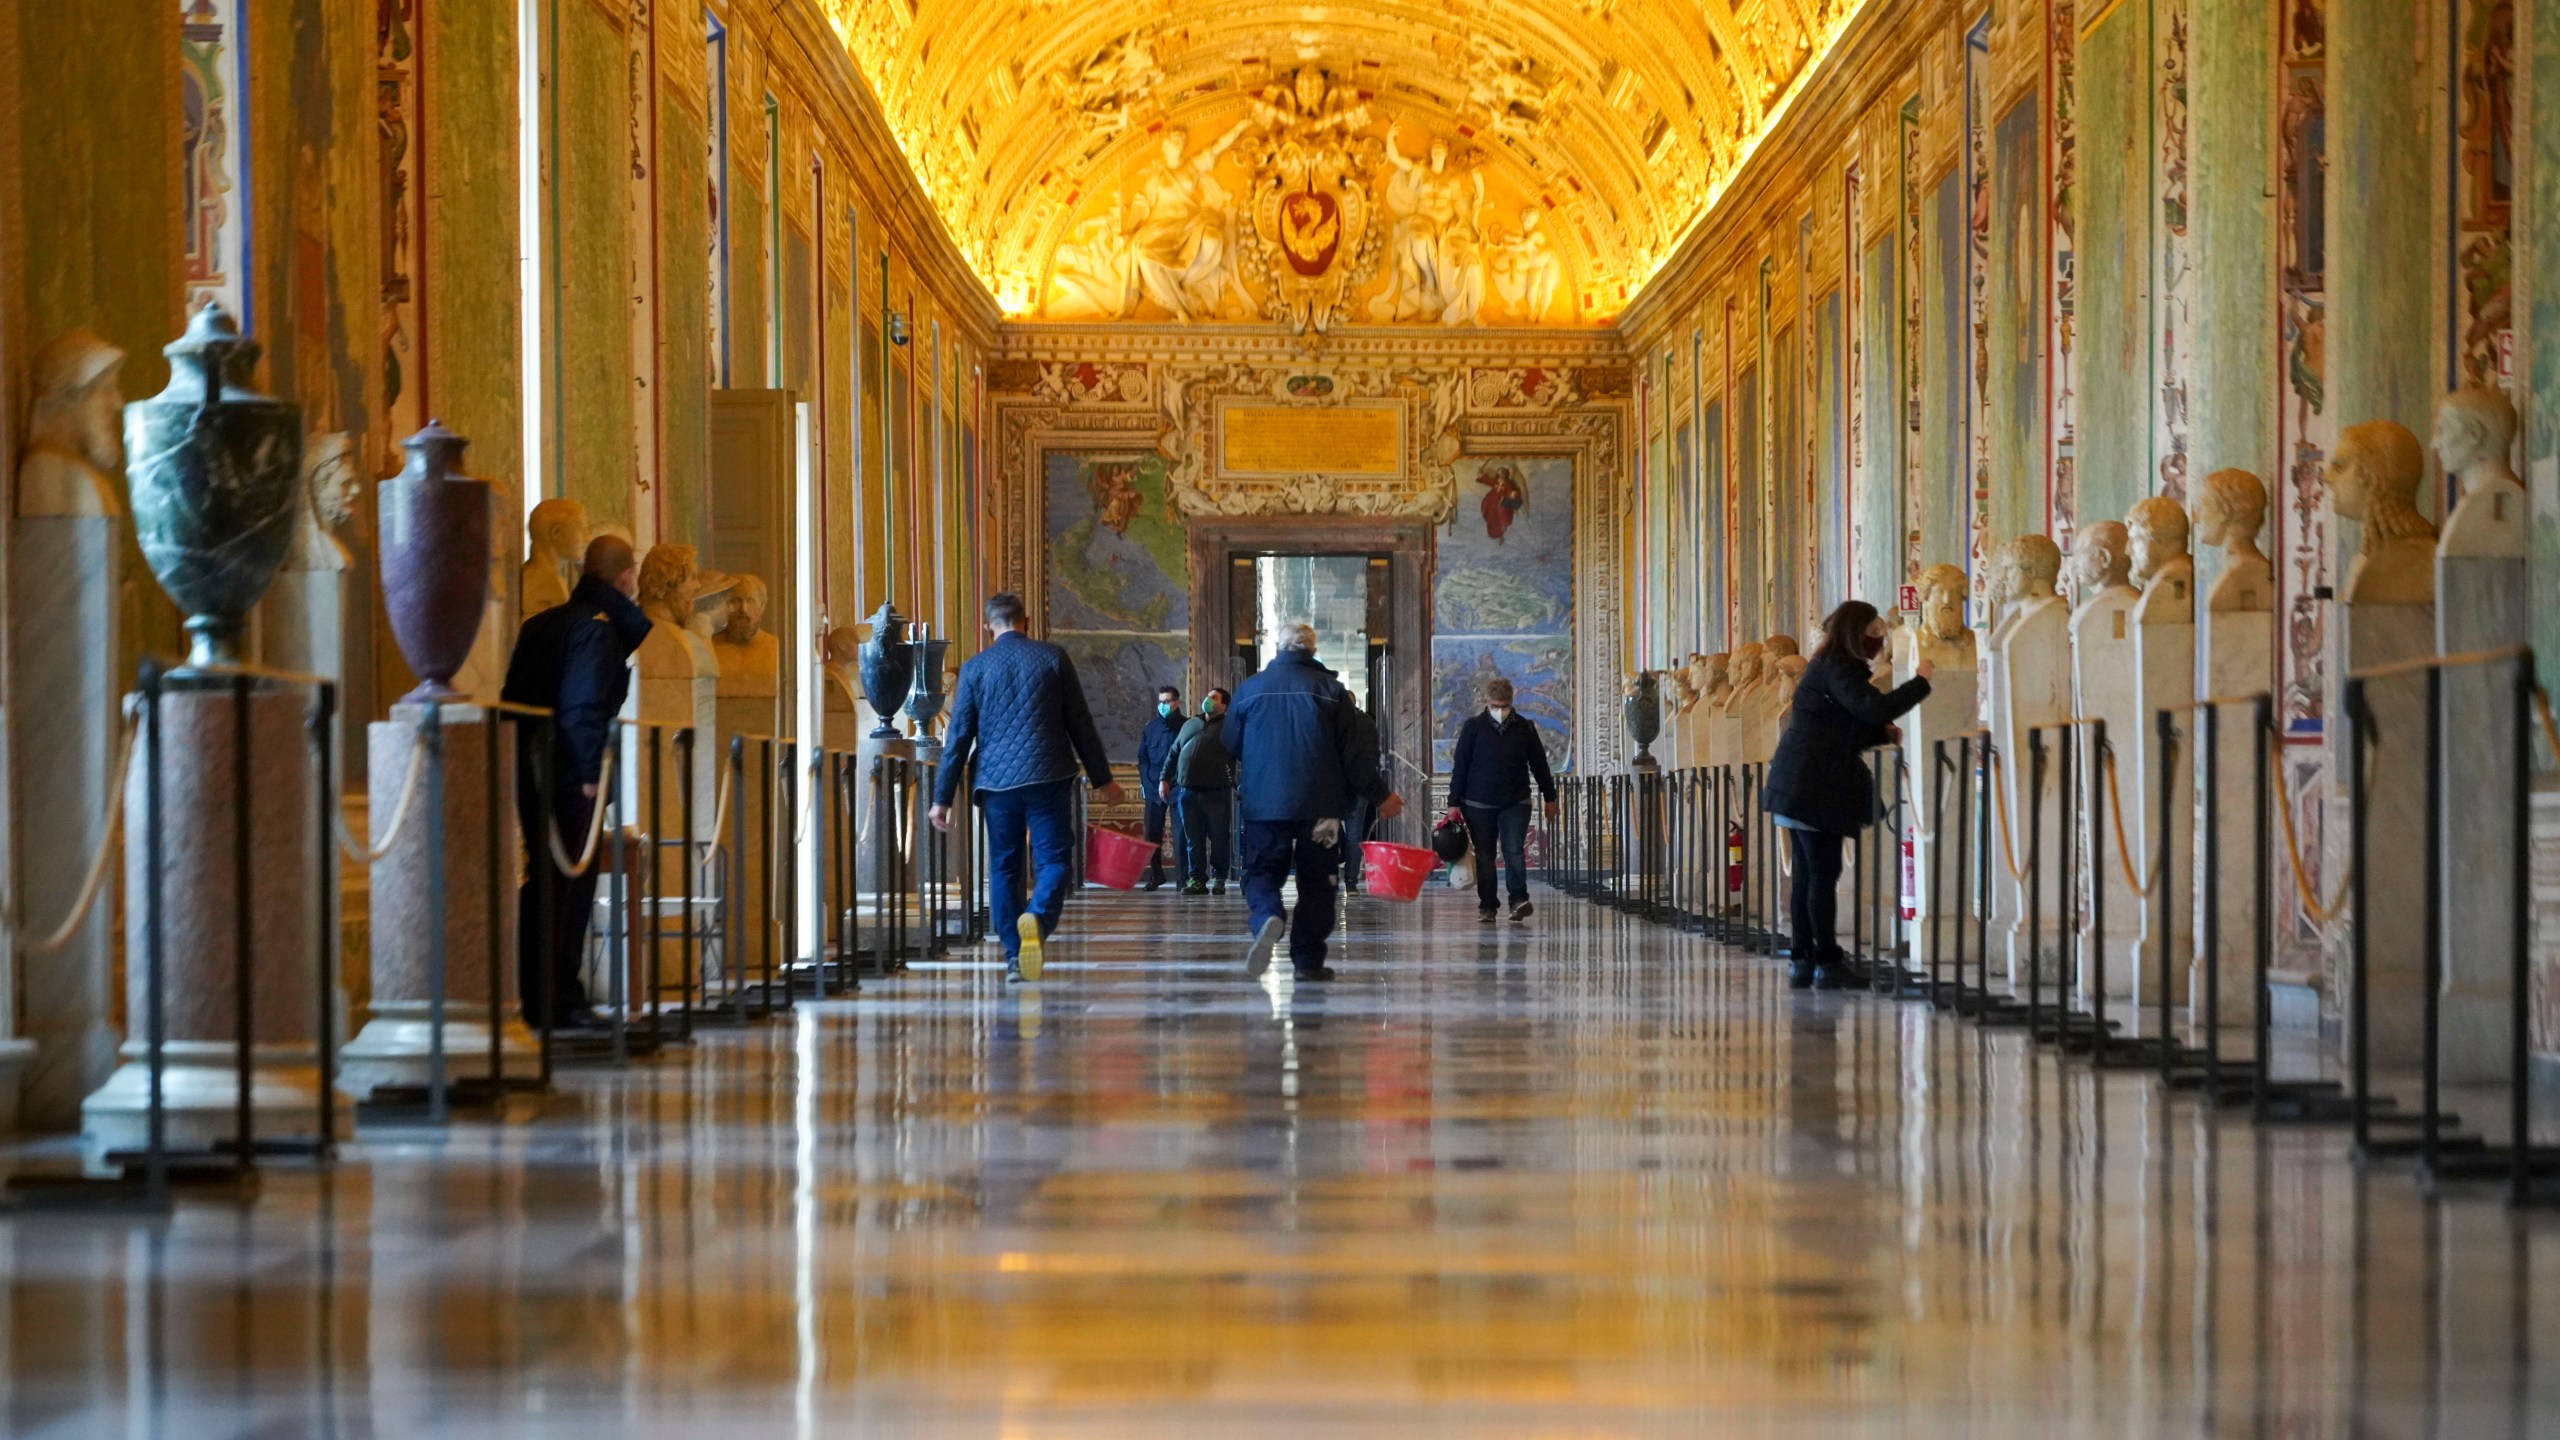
<point x="1499" y="713"/>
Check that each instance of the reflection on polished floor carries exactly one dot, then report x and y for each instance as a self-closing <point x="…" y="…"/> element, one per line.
<point x="1578" y="1178"/>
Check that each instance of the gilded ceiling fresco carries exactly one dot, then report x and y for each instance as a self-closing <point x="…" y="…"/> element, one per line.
<point x="1443" y="162"/>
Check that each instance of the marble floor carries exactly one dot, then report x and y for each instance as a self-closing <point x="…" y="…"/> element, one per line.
<point x="1579" y="1178"/>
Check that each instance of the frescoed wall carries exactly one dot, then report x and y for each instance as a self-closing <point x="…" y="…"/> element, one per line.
<point x="1503" y="600"/>
<point x="1119" y="596"/>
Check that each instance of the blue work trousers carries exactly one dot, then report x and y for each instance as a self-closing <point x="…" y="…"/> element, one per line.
<point x="1044" y="816"/>
<point x="1273" y="848"/>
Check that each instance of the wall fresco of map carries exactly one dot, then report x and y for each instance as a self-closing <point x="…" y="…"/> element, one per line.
<point x="1119" y="593"/>
<point x="1503" y="600"/>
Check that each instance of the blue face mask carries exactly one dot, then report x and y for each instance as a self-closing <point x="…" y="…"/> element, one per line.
<point x="1164" y="708"/>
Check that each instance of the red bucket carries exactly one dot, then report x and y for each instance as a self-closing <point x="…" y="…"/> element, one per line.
<point x="1398" y="872"/>
<point x="1115" y="858"/>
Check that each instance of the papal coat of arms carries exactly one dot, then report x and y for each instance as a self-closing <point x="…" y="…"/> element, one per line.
<point x="1310" y="205"/>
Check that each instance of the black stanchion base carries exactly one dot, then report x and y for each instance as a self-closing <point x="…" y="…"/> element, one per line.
<point x="2485" y="1162"/>
<point x="595" y="1047"/>
<point x="411" y="1104"/>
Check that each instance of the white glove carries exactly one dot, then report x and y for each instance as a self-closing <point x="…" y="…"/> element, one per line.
<point x="1328" y="832"/>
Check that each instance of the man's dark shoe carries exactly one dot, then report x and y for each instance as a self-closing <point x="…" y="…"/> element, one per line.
<point x="1013" y="973"/>
<point x="1522" y="909"/>
<point x="1155" y="878"/>
<point x="1487" y="915"/>
<point x="1799" y="977"/>
<point x="1830" y="977"/>
<point x="1318" y="973"/>
<point x="1266" y="940"/>
<point x="1194" y="887"/>
<point x="582" y="1018"/>
<point x="1217" y="887"/>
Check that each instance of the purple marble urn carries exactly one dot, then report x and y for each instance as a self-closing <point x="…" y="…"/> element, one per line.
<point x="435" y="559"/>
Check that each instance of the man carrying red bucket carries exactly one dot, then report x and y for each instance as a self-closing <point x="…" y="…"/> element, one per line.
<point x="1020" y="708"/>
<point x="1299" y="761"/>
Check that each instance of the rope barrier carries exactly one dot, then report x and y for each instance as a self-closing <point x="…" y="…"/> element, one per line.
<point x="2303" y="889"/>
<point x="595" y="826"/>
<point x="369" y="854"/>
<point x="94" y="882"/>
<point x="2115" y="817"/>
<point x="719" y="824"/>
<point x="2000" y="811"/>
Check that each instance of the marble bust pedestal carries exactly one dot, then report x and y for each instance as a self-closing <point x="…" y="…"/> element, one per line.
<point x="2238" y="659"/>
<point x="2164" y="678"/>
<point x="63" y="581"/>
<point x="2482" y="600"/>
<point x="2031" y="684"/>
<point x="1947" y="713"/>
<point x="2105" y="663"/>
<point x="196" y="888"/>
<point x="479" y="940"/>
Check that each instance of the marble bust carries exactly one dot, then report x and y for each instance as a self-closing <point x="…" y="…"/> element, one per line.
<point x="2475" y="429"/>
<point x="1941" y="637"/>
<point x="2162" y="565"/>
<point x="75" y="430"/>
<point x="2101" y="561"/>
<point x="329" y="502"/>
<point x="555" y="540"/>
<point x="2230" y="510"/>
<point x="670" y="584"/>
<point x="1713" y="678"/>
<point x="1742" y="672"/>
<point x="750" y="655"/>
<point x="2030" y="567"/>
<point x="843" y="667"/>
<point x="2374" y="473"/>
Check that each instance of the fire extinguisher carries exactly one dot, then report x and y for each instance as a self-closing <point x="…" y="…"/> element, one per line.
<point x="1910" y="876"/>
<point x="1733" y="859"/>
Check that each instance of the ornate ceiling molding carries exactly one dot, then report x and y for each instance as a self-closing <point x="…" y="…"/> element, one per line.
<point x="1033" y="125"/>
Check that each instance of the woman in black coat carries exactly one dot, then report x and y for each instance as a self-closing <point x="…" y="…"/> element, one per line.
<point x="1819" y="787"/>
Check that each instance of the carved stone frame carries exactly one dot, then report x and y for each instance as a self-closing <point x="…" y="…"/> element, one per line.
<point x="1411" y="558"/>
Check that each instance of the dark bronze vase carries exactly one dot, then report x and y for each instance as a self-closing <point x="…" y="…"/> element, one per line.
<point x="435" y="559"/>
<point x="216" y="475"/>
<point x="888" y="666"/>
<point x="924" y="702"/>
<point x="1644" y="716"/>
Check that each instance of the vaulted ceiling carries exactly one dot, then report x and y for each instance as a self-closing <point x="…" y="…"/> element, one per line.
<point x="1619" y="120"/>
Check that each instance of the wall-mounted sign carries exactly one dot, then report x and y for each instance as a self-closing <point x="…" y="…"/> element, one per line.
<point x="1285" y="440"/>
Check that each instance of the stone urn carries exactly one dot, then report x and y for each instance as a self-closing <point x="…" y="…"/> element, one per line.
<point x="216" y="475"/>
<point x="924" y="702"/>
<point x="888" y="664"/>
<point x="1643" y="707"/>
<point x="435" y="559"/>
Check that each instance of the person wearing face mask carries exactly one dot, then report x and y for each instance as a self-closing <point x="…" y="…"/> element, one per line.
<point x="1155" y="746"/>
<point x="1820" y="789"/>
<point x="1499" y="754"/>
<point x="1199" y="779"/>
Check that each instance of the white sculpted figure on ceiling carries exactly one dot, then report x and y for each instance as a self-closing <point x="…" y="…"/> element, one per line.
<point x="1433" y="242"/>
<point x="1108" y="86"/>
<point x="1178" y="228"/>
<point x="1526" y="272"/>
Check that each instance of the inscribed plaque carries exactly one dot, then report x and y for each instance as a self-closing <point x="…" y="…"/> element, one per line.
<point x="1295" y="440"/>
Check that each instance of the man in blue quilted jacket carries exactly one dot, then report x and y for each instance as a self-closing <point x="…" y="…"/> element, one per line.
<point x="1300" y="760"/>
<point x="1020" y="711"/>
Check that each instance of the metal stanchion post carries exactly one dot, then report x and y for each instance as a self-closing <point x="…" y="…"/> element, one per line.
<point x="733" y="917"/>
<point x="324" y="708"/>
<point x="2067" y="951"/>
<point x="2262" y="914"/>
<point x="492" y="851"/>
<point x="2101" y="755"/>
<point x="545" y="870"/>
<point x="431" y="743"/>
<point x="2360" y="996"/>
<point x="687" y="876"/>
<point x="2209" y="923"/>
<point x="2166" y="727"/>
<point x="2431" y="946"/>
<point x="243" y="1017"/>
<point x="764" y="893"/>
<point x="788" y="818"/>
<point x="2520" y="1158"/>
<point x="652" y="908"/>
<point x="2035" y="877"/>
<point x="155" y="980"/>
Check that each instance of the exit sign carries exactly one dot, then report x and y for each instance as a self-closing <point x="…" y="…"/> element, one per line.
<point x="1908" y="600"/>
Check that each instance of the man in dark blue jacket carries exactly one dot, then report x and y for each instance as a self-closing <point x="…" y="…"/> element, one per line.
<point x="1155" y="746"/>
<point x="1020" y="710"/>
<point x="1499" y="753"/>
<point x="574" y="660"/>
<point x="1299" y="761"/>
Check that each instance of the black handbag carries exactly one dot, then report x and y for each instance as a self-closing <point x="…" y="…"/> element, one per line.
<point x="1449" y="840"/>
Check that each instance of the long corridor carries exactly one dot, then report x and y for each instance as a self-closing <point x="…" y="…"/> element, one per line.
<point x="1573" y="1178"/>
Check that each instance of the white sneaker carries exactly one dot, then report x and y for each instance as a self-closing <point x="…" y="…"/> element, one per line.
<point x="1266" y="941"/>
<point x="1027" y="927"/>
